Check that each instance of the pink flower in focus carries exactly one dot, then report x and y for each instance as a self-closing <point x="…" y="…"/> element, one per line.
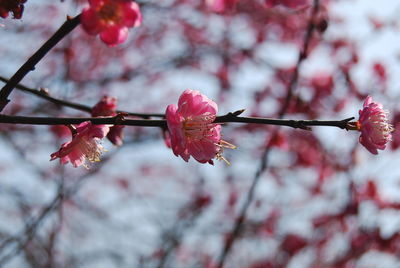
<point x="220" y="5"/>
<point x="374" y="126"/>
<point x="107" y="106"/>
<point x="111" y="19"/>
<point x="85" y="145"/>
<point x="191" y="128"/>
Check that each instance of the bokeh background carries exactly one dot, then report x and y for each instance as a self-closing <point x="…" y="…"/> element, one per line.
<point x="291" y="198"/>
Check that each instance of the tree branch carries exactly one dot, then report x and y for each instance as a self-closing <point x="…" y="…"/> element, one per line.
<point x="44" y="94"/>
<point x="30" y="64"/>
<point x="121" y="120"/>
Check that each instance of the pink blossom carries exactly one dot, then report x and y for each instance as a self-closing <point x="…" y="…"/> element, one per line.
<point x="107" y="106"/>
<point x="111" y="19"/>
<point x="85" y="145"/>
<point x="221" y="5"/>
<point x="191" y="128"/>
<point x="374" y="126"/>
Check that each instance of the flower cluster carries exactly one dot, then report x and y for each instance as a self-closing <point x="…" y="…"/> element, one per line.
<point x="111" y="19"/>
<point x="374" y="126"/>
<point x="107" y="106"/>
<point x="85" y="145"/>
<point x="191" y="128"/>
<point x="14" y="6"/>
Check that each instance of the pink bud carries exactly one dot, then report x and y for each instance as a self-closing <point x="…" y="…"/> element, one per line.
<point x="107" y="106"/>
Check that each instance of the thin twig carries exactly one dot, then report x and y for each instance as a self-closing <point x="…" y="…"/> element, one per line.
<point x="264" y="160"/>
<point x="30" y="64"/>
<point x="44" y="94"/>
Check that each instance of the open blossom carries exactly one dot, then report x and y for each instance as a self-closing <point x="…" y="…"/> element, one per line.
<point x="111" y="19"/>
<point x="14" y="6"/>
<point x="191" y="128"/>
<point x="85" y="145"/>
<point x="374" y="126"/>
<point x="107" y="106"/>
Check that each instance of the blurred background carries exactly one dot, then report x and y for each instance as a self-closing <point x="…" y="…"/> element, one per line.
<point x="291" y="198"/>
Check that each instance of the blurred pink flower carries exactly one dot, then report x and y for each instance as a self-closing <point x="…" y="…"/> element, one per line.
<point x="85" y="145"/>
<point x="374" y="126"/>
<point x="220" y="5"/>
<point x="111" y="19"/>
<point x="107" y="106"/>
<point x="191" y="128"/>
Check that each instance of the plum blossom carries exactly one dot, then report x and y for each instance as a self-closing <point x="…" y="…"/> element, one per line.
<point x="14" y="6"/>
<point x="191" y="128"/>
<point x="85" y="145"/>
<point x="111" y="19"/>
<point x="374" y="126"/>
<point x="107" y="106"/>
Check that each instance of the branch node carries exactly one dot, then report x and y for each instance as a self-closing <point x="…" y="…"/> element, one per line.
<point x="3" y="104"/>
<point x="120" y="118"/>
<point x="44" y="91"/>
<point x="238" y="112"/>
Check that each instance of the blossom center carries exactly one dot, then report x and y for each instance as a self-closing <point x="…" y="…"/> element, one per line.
<point x="110" y="13"/>
<point x="91" y="149"/>
<point x="198" y="127"/>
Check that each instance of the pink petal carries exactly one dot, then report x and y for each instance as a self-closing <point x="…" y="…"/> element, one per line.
<point x="114" y="35"/>
<point x="90" y="21"/>
<point x="132" y="15"/>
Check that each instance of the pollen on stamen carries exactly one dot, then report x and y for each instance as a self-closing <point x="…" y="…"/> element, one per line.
<point x="224" y="144"/>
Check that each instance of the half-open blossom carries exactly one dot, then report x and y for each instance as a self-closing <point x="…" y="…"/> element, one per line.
<point x="107" y="106"/>
<point x="14" y="6"/>
<point x="191" y="128"/>
<point x="374" y="126"/>
<point x="111" y="19"/>
<point x="84" y="146"/>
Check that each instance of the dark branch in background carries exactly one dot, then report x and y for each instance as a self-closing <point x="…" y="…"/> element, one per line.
<point x="44" y="94"/>
<point x="19" y="242"/>
<point x="30" y="64"/>
<point x="162" y="123"/>
<point x="264" y="160"/>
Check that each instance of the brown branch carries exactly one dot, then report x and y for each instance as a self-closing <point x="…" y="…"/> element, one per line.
<point x="30" y="64"/>
<point x="162" y="123"/>
<point x="44" y="94"/>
